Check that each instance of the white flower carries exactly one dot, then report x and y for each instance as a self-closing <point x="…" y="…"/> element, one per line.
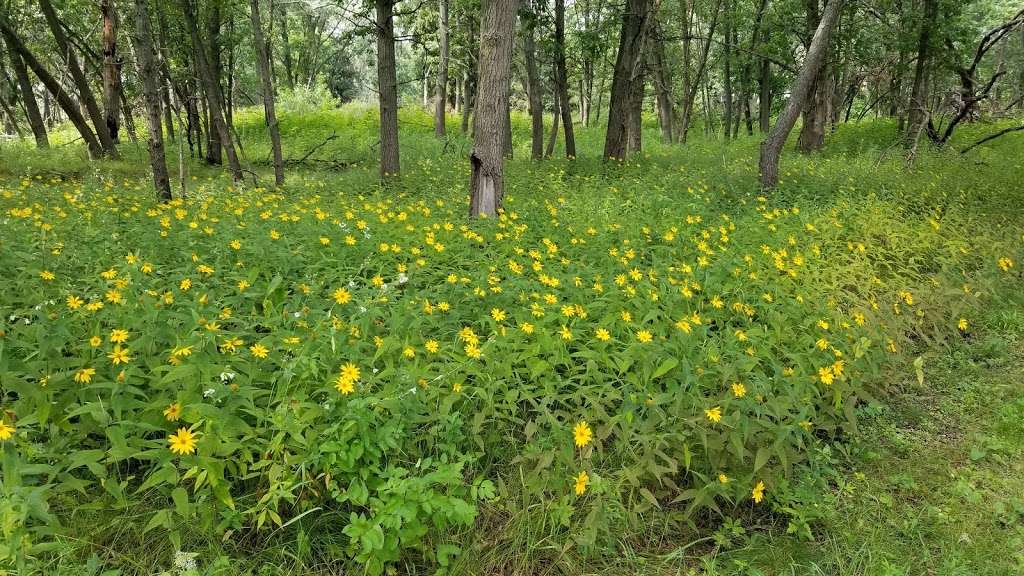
<point x="402" y="278"/>
<point x="227" y="376"/>
<point x="209" y="392"/>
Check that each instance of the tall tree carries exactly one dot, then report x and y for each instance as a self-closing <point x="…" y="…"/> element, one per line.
<point x="817" y="109"/>
<point x="662" y="85"/>
<point x="387" y="88"/>
<point x="771" y="148"/>
<point x="692" y="85"/>
<point x="918" y="93"/>
<point x="28" y="98"/>
<point x="562" y="80"/>
<point x="111" y="70"/>
<point x="441" y="105"/>
<point x="627" y="66"/>
<point x="533" y="85"/>
<point x="487" y="161"/>
<point x="85" y="94"/>
<point x="211" y="85"/>
<point x="64" y="100"/>
<point x="149" y="73"/>
<point x="267" y="84"/>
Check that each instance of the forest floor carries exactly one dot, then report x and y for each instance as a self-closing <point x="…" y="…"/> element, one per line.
<point x="932" y="485"/>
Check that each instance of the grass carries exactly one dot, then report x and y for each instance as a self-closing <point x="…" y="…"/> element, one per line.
<point x="933" y="483"/>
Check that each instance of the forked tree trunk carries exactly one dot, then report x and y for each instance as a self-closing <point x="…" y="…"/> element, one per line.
<point x="267" y="84"/>
<point x="441" y="105"/>
<point x="487" y="182"/>
<point x="772" y="145"/>
<point x="149" y="73"/>
<point x="387" y="86"/>
<point x="533" y="88"/>
<point x="212" y="85"/>
<point x="111" y="70"/>
<point x="634" y="20"/>
<point x="562" y="80"/>
<point x="85" y="94"/>
<point x="66" y="103"/>
<point x="28" y="99"/>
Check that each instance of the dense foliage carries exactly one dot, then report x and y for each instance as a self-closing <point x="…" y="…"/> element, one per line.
<point x="367" y="372"/>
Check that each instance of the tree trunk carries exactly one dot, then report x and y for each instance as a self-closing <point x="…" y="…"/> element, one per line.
<point x="28" y="99"/>
<point x="662" y="86"/>
<point x="634" y="19"/>
<point x="286" y="48"/>
<point x="816" y="110"/>
<point x="634" y="128"/>
<point x="748" y="72"/>
<point x="440" y="107"/>
<point x="468" y="86"/>
<point x="533" y="88"/>
<point x="553" y="137"/>
<point x="487" y="183"/>
<point x="727" y="72"/>
<point x="68" y="105"/>
<point x="919" y="93"/>
<point x="212" y="86"/>
<point x="85" y="94"/>
<point x="562" y="80"/>
<point x="149" y="74"/>
<point x="267" y="85"/>
<point x="111" y="70"/>
<point x="214" y="141"/>
<point x="690" y="97"/>
<point x="387" y="86"/>
<point x="813" y="62"/>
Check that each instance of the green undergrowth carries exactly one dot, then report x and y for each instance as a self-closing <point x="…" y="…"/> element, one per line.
<point x="645" y="367"/>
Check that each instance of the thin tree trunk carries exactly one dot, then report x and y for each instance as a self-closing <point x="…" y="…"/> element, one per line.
<point x="487" y="182"/>
<point x="690" y="97"/>
<point x="662" y="86"/>
<point x="441" y="106"/>
<point x="533" y="88"/>
<point x="286" y="48"/>
<point x="634" y="20"/>
<point x="919" y="92"/>
<point x="553" y="136"/>
<point x="68" y="105"/>
<point x="387" y="86"/>
<point x="267" y="84"/>
<point x="28" y="99"/>
<point x="149" y="73"/>
<point x="727" y="72"/>
<point x="212" y="86"/>
<point x="111" y="70"/>
<point x="468" y="101"/>
<point x="813" y="62"/>
<point x="562" y="80"/>
<point x="85" y="94"/>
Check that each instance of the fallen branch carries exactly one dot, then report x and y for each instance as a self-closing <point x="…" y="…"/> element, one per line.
<point x="333" y="136"/>
<point x="992" y="137"/>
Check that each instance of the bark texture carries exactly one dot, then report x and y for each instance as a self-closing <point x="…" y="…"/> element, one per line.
<point x="267" y="84"/>
<point x="487" y="183"/>
<point x="149" y="73"/>
<point x="627" y="64"/>
<point x="387" y="86"/>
